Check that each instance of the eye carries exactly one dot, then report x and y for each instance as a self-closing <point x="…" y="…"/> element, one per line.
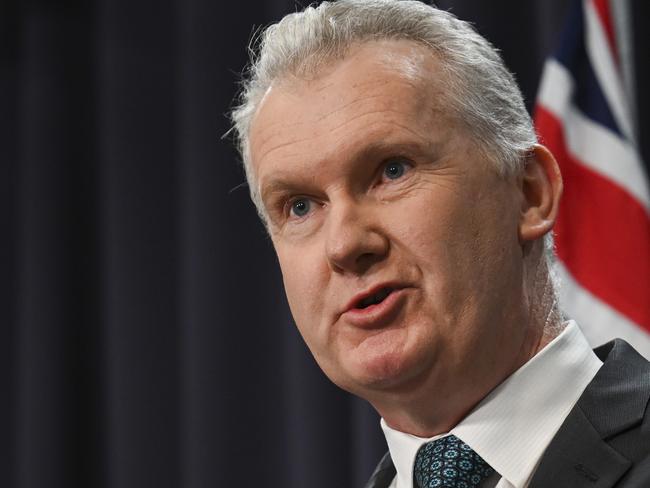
<point x="300" y="207"/>
<point x="395" y="169"/>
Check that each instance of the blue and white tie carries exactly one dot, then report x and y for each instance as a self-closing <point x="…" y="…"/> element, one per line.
<point x="450" y="463"/>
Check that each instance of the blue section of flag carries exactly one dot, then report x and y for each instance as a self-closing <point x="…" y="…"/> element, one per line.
<point x="588" y="97"/>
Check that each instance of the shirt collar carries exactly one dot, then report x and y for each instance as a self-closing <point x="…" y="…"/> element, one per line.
<point x="530" y="401"/>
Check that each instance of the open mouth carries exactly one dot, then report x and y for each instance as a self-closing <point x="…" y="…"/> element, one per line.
<point x="375" y="298"/>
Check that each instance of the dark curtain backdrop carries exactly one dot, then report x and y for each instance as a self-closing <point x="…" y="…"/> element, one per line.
<point x="145" y="338"/>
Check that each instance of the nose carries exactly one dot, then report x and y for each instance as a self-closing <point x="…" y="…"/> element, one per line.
<point x="355" y="239"/>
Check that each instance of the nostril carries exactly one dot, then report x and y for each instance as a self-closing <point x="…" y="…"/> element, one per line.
<point x="353" y="245"/>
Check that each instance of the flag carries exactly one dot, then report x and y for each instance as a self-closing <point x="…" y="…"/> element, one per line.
<point x="584" y="115"/>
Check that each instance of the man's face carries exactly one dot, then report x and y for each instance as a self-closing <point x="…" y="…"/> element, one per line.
<point x="397" y="240"/>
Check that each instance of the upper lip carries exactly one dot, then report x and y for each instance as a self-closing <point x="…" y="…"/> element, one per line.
<point x="359" y="297"/>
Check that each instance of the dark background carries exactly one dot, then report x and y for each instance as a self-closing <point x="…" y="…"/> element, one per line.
<point x="145" y="337"/>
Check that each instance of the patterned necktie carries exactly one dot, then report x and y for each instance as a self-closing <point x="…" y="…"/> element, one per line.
<point x="449" y="462"/>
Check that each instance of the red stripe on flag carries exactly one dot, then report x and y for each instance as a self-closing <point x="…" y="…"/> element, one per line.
<point x="602" y="232"/>
<point x="605" y="15"/>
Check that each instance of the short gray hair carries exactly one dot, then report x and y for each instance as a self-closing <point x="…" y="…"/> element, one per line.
<point x="482" y="92"/>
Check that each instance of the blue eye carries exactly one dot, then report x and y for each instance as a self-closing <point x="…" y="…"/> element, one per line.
<point x="300" y="207"/>
<point x="395" y="170"/>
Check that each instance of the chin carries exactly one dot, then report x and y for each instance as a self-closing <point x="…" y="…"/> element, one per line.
<point x="381" y="371"/>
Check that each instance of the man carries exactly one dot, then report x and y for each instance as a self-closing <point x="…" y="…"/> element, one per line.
<point x="389" y="153"/>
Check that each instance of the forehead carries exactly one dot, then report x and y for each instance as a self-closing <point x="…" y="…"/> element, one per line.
<point x="380" y="90"/>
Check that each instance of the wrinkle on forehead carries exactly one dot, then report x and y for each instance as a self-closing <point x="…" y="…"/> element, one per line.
<point x="407" y="70"/>
<point x="402" y="61"/>
<point x="404" y="70"/>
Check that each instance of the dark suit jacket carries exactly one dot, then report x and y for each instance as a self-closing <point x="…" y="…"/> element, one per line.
<point x="605" y="440"/>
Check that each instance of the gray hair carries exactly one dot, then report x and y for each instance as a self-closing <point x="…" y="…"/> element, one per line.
<point x="482" y="92"/>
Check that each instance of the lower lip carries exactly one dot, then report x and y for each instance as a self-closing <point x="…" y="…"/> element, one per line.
<point x="378" y="315"/>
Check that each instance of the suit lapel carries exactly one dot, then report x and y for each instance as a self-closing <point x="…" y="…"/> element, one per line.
<point x="383" y="474"/>
<point x="579" y="455"/>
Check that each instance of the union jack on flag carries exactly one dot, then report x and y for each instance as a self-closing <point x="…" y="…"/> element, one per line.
<point x="584" y="115"/>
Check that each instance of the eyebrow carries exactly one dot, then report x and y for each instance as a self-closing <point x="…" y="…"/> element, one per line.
<point x="278" y="185"/>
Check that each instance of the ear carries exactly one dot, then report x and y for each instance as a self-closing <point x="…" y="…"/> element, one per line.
<point x="541" y="186"/>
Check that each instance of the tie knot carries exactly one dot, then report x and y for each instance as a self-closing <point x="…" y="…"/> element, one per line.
<point x="449" y="462"/>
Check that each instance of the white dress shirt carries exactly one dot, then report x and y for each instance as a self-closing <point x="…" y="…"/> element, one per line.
<point x="512" y="427"/>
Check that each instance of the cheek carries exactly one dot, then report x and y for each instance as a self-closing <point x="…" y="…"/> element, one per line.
<point x="483" y="267"/>
<point x="430" y="237"/>
<point x="459" y="247"/>
<point x="433" y="231"/>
